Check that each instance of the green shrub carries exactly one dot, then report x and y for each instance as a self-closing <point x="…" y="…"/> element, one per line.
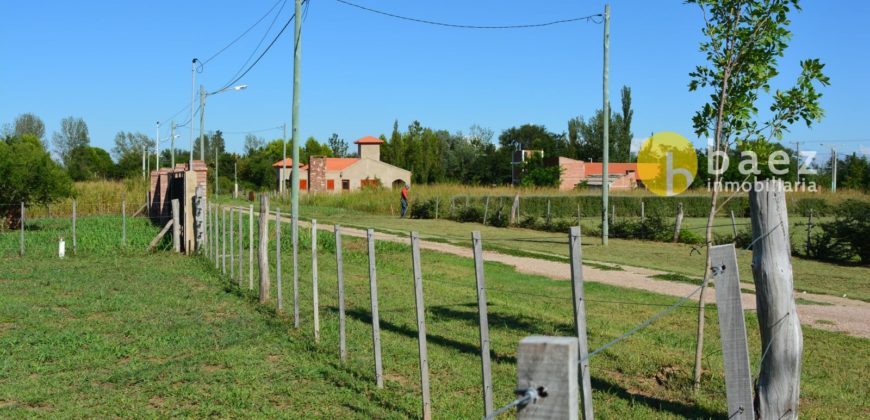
<point x="423" y="209"/>
<point x="847" y="237"/>
<point x="500" y="218"/>
<point x="470" y="214"/>
<point x="819" y="207"/>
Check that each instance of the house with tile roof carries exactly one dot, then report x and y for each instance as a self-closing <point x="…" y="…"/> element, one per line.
<point x="327" y="174"/>
<point x="621" y="176"/>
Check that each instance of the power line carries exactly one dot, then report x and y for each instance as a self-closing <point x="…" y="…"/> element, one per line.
<point x="263" y="38"/>
<point x="590" y="18"/>
<point x="253" y="131"/>
<point x="245" y="32"/>
<point x="261" y="55"/>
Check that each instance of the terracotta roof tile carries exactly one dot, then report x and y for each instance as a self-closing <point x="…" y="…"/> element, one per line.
<point x="369" y="140"/>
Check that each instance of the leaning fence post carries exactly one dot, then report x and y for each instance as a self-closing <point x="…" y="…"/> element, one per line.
<point x="21" y="251"/>
<point x="548" y="365"/>
<point x="75" y="246"/>
<point x="809" y="231"/>
<point x="176" y="240"/>
<point x="278" y="281"/>
<point x="294" y="233"/>
<point x="376" y="327"/>
<point x="421" y="326"/>
<point x="241" y="248"/>
<point x="579" y="298"/>
<point x="263" y="250"/>
<point x="678" y="223"/>
<point x="733" y="226"/>
<point x="486" y="369"/>
<point x="124" y="221"/>
<point x="251" y="247"/>
<point x="339" y="265"/>
<point x="314" y="295"/>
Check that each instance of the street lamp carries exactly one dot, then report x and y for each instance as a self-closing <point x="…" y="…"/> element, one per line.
<point x="202" y="96"/>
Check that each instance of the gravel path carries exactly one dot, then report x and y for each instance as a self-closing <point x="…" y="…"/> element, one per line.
<point x="834" y="313"/>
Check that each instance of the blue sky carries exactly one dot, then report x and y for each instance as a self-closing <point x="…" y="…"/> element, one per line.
<point x="126" y="65"/>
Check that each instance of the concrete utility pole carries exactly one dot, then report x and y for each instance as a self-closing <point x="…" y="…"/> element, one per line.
<point x="158" y="146"/>
<point x="192" y="109"/>
<point x="281" y="182"/>
<point x="201" y="125"/>
<point x="172" y="143"/>
<point x="297" y="61"/>
<point x="605" y="174"/>
<point x="144" y="152"/>
<point x="834" y="173"/>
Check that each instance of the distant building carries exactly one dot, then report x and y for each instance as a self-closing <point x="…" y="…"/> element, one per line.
<point x="326" y="174"/>
<point x="622" y="176"/>
<point x="518" y="162"/>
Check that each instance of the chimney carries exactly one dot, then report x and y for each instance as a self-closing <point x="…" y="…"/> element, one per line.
<point x="369" y="148"/>
<point x="316" y="173"/>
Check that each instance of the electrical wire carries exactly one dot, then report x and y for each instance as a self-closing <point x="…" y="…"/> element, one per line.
<point x="590" y="18"/>
<point x="213" y="56"/>
<point x="259" y="44"/>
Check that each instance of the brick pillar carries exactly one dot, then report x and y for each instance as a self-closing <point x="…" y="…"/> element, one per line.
<point x="316" y="173"/>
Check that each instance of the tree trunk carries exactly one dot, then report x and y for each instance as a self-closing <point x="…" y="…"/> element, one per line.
<point x="778" y="386"/>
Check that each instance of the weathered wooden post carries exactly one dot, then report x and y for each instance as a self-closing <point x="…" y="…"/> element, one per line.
<point x="732" y="329"/>
<point x="485" y="366"/>
<point x="485" y="210"/>
<point x="421" y="326"/>
<point x="678" y="223"/>
<point x="579" y="298"/>
<point x="124" y="221"/>
<point x="294" y="233"/>
<point x="376" y="326"/>
<point x="224" y="241"/>
<point x="263" y="249"/>
<point x="515" y="207"/>
<point x="809" y="232"/>
<point x="278" y="283"/>
<point x="642" y="212"/>
<point x="778" y="384"/>
<point x="241" y="249"/>
<point x="437" y="203"/>
<point x="548" y="211"/>
<point x="176" y="231"/>
<point x="339" y="264"/>
<point x="613" y="214"/>
<point x="251" y="247"/>
<point x="548" y="365"/>
<point x="314" y="289"/>
<point x="22" y="222"/>
<point x="733" y="226"/>
<point x="232" y="245"/>
<point x="75" y="245"/>
<point x="578" y="215"/>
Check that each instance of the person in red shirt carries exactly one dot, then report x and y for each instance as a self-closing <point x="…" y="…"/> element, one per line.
<point x="404" y="200"/>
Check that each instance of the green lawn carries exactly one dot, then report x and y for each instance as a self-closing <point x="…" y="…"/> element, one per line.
<point x="119" y="333"/>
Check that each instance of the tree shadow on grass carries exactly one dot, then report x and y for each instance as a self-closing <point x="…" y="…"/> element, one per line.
<point x="674" y="407"/>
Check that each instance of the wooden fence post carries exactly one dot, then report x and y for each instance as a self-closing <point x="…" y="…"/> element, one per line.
<point x="294" y="233"/>
<point x="548" y="364"/>
<point x="251" y="247"/>
<point x="548" y="211"/>
<point x="23" y="221"/>
<point x="613" y="214"/>
<point x="339" y="264"/>
<point x="241" y="248"/>
<point x="642" y="212"/>
<point x="124" y="222"/>
<point x="778" y="383"/>
<point x="214" y="234"/>
<point x="733" y="226"/>
<point x="485" y="367"/>
<point x="809" y="231"/>
<point x="437" y="203"/>
<point x="732" y="329"/>
<point x="279" y="287"/>
<point x="232" y="245"/>
<point x="485" y="210"/>
<point x="515" y="208"/>
<point x="678" y="223"/>
<point x="263" y="250"/>
<point x="176" y="238"/>
<point x="579" y="299"/>
<point x="224" y="241"/>
<point x="314" y="292"/>
<point x="376" y="326"/>
<point x="75" y="244"/>
<point x="578" y="215"/>
<point x="421" y="326"/>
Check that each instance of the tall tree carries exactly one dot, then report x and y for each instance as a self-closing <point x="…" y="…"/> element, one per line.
<point x="337" y="145"/>
<point x="744" y="41"/>
<point x="28" y="123"/>
<point x="128" y="152"/>
<point x="252" y="143"/>
<point x="586" y="137"/>
<point x="29" y="175"/>
<point x="73" y="134"/>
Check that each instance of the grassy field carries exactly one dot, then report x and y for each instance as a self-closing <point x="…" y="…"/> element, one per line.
<point x="115" y="332"/>
<point x="811" y="276"/>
